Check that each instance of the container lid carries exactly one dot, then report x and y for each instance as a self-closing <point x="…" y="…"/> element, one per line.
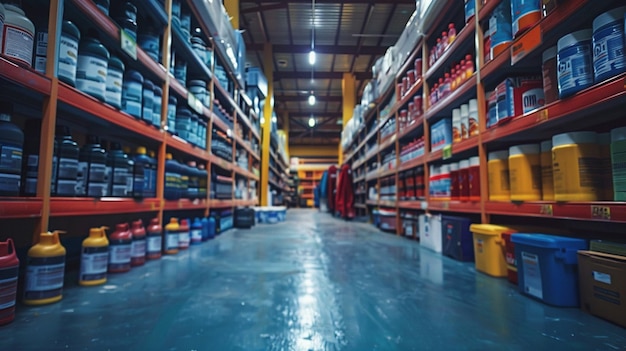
<point x="115" y="62"/>
<point x="454" y="166"/>
<point x="147" y="84"/>
<point x="549" y="53"/>
<point x="524" y="149"/>
<point x="498" y="155"/>
<point x="473" y="105"/>
<point x="546" y="145"/>
<point x="604" y="138"/>
<point x="445" y="169"/>
<point x="134" y="75"/>
<point x="488" y="229"/>
<point x="183" y="111"/>
<point x="474" y="161"/>
<point x="197" y="82"/>
<point x="615" y="15"/>
<point x="168" y="156"/>
<point x="141" y="150"/>
<point x="158" y="91"/>
<point x="172" y="100"/>
<point x="463" y="164"/>
<point x="464" y="110"/>
<point x="574" y="138"/>
<point x="69" y="28"/>
<point x="618" y="134"/>
<point x="456" y="115"/>
<point x="548" y="241"/>
<point x="574" y="39"/>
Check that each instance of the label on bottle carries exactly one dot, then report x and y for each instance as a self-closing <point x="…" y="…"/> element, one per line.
<point x="574" y="68"/>
<point x="68" y="58"/>
<point x="521" y="9"/>
<point x="131" y="98"/>
<point x="154" y="243"/>
<point x="119" y="255"/>
<point x="138" y="248"/>
<point x="44" y="277"/>
<point x="114" y="85"/>
<point x="17" y="44"/>
<point x="171" y="240"/>
<point x="183" y="239"/>
<point x="93" y="263"/>
<point x="41" y="51"/>
<point x="8" y="286"/>
<point x="10" y="158"/>
<point x="609" y="57"/>
<point x="91" y="75"/>
<point x="196" y="235"/>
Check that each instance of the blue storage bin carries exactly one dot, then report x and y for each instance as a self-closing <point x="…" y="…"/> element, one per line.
<point x="547" y="267"/>
<point x="457" y="240"/>
<point x="441" y="134"/>
<point x="272" y="215"/>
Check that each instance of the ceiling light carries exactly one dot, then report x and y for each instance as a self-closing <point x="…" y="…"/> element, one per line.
<point x="311" y="122"/>
<point x="311" y="99"/>
<point x="312" y="57"/>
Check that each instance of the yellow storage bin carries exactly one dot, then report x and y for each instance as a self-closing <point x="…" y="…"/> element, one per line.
<point x="489" y="248"/>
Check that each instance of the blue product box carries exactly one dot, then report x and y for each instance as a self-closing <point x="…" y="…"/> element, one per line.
<point x="441" y="134"/>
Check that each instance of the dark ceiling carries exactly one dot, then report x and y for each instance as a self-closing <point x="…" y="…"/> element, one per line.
<point x="349" y="36"/>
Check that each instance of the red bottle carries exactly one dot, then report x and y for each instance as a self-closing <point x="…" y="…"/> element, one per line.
<point x="138" y="247"/>
<point x="9" y="269"/>
<point x="154" y="240"/>
<point x="120" y="246"/>
<point x="451" y="33"/>
<point x="444" y="41"/>
<point x="183" y="235"/>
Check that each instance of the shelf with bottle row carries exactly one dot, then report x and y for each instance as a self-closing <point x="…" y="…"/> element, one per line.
<point x="25" y="77"/>
<point x="383" y="173"/>
<point x="462" y="94"/>
<point x="182" y="145"/>
<point x="414" y="163"/>
<point x="456" y="148"/>
<point x="82" y="206"/>
<point x="244" y="172"/>
<point x="459" y="47"/>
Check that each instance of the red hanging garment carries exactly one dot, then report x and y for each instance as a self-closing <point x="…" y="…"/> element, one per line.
<point x="345" y="194"/>
<point x="331" y="187"/>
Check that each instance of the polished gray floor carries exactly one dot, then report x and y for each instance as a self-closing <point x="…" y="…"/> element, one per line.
<point x="311" y="283"/>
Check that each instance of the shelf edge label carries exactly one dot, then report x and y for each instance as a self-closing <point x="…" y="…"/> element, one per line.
<point x="128" y="44"/>
<point x="600" y="212"/>
<point x="447" y="152"/>
<point x="546" y="210"/>
<point x="525" y="44"/>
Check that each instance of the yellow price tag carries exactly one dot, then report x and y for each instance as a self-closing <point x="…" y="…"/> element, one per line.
<point x="447" y="152"/>
<point x="546" y="210"/>
<point x="601" y="212"/>
<point x="543" y="115"/>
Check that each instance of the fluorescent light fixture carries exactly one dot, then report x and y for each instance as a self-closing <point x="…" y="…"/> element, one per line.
<point x="311" y="122"/>
<point x="312" y="57"/>
<point x="311" y="99"/>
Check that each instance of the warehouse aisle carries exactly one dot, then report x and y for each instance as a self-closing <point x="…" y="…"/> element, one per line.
<point x="311" y="283"/>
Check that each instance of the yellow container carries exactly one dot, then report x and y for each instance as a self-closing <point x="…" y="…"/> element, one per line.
<point x="489" y="250"/>
<point x="525" y="172"/>
<point x="94" y="258"/>
<point x="547" y="179"/>
<point x="606" y="175"/>
<point x="45" y="270"/>
<point x="498" y="168"/>
<point x="172" y="231"/>
<point x="576" y="161"/>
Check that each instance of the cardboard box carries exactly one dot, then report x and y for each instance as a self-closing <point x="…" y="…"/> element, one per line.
<point x="602" y="279"/>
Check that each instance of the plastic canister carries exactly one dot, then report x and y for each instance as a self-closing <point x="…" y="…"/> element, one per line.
<point x="156" y="107"/>
<point x="196" y="232"/>
<point x="120" y="246"/>
<point x="9" y="271"/>
<point x="202" y="181"/>
<point x="609" y="58"/>
<point x="606" y="176"/>
<point x="138" y="246"/>
<point x="472" y="129"/>
<point x="90" y="179"/>
<point x="474" y="178"/>
<point x="464" y="186"/>
<point x="143" y="174"/>
<point x="128" y="19"/>
<point x="148" y="40"/>
<point x="500" y="28"/>
<point x="91" y="73"/>
<point x="176" y="10"/>
<point x="117" y="172"/>
<point x="444" y="181"/>
<point x="153" y="167"/>
<point x="549" y="69"/>
<point x="199" y="47"/>
<point x="66" y="155"/>
<point x="193" y="129"/>
<point x="212" y="227"/>
<point x="524" y="14"/>
<point x="180" y="69"/>
<point x="11" y="149"/>
<point x="183" y="186"/>
<point x="455" y="191"/>
<point x="115" y="82"/>
<point x="153" y="240"/>
<point x="547" y="178"/>
<point x="465" y="124"/>
<point x="18" y="35"/>
<point x="172" y="230"/>
<point x="172" y="179"/>
<point x="618" y="163"/>
<point x="202" y="130"/>
<point x="498" y="170"/>
<point x="489" y="249"/>
<point x="575" y="70"/>
<point x="148" y="101"/>
<point x="198" y="88"/>
<point x="492" y="109"/>
<point x="205" y="228"/>
<point x="94" y="258"/>
<point x="193" y="188"/>
<point x="68" y="53"/>
<point x="171" y="114"/>
<point x="103" y="5"/>
<point x="525" y="172"/>
<point x="132" y="94"/>
<point x="456" y="125"/>
<point x="183" y="123"/>
<point x="45" y="269"/>
<point x="576" y="158"/>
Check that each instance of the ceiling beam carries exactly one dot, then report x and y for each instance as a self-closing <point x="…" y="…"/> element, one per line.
<point x="255" y="9"/>
<point x="292" y="98"/>
<point x="322" y="49"/>
<point x="408" y="2"/>
<point x="320" y="75"/>
<point x="308" y="114"/>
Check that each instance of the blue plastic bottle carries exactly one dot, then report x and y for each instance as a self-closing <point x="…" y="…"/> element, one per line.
<point x="11" y="144"/>
<point x="196" y="232"/>
<point x="172" y="179"/>
<point x="205" y="228"/>
<point x="211" y="227"/>
<point x="142" y="160"/>
<point x="193" y="188"/>
<point x="91" y="169"/>
<point x="117" y="171"/>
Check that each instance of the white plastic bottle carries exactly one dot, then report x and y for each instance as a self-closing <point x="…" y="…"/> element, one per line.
<point x="18" y="35"/>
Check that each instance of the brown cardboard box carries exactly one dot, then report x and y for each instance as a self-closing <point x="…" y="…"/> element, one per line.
<point x="602" y="280"/>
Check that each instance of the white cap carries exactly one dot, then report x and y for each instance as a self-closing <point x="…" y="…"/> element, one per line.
<point x="546" y="145"/>
<point x="615" y="15"/>
<point x="474" y="161"/>
<point x="549" y="53"/>
<point x="526" y="149"/>
<point x="456" y="115"/>
<point x="464" y="110"/>
<point x="445" y="169"/>
<point x="498" y="155"/>
<point x="618" y="134"/>
<point x="575" y="138"/>
<point x="454" y="166"/>
<point x="573" y="39"/>
<point x="473" y="105"/>
<point x="463" y="164"/>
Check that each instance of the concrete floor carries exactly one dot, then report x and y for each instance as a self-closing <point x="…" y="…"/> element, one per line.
<point x="311" y="283"/>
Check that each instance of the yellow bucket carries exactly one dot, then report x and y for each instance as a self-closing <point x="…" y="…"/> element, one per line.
<point x="489" y="249"/>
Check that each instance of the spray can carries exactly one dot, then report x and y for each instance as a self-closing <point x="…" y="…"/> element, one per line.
<point x="45" y="269"/>
<point x="94" y="258"/>
<point x="154" y="240"/>
<point x="120" y="242"/>
<point x="138" y="247"/>
<point x="9" y="269"/>
<point x="171" y="237"/>
<point x="183" y="235"/>
<point x="196" y="232"/>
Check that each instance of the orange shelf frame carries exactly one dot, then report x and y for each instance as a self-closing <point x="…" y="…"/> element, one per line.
<point x="83" y="206"/>
<point x="24" y="77"/>
<point x="602" y="211"/>
<point x="185" y="204"/>
<point x="20" y="207"/>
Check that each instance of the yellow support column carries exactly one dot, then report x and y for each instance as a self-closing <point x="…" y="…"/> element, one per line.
<point x="268" y="69"/>
<point x="348" y="89"/>
<point x="232" y="7"/>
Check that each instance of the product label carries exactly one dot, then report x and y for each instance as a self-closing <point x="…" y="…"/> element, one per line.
<point x="8" y="286"/>
<point x="609" y="57"/>
<point x="532" y="275"/>
<point x="118" y="191"/>
<point x="196" y="235"/>
<point x="154" y="243"/>
<point x="602" y="277"/>
<point x="574" y="67"/>
<point x="97" y="172"/>
<point x="536" y="176"/>
<point x="91" y="75"/>
<point x="114" y="86"/>
<point x="93" y="263"/>
<point x="44" y="277"/>
<point x="183" y="239"/>
<point x="131" y="98"/>
<point x="119" y="254"/>
<point x="532" y="99"/>
<point x="41" y="52"/>
<point x="589" y="171"/>
<point x="618" y="164"/>
<point x="500" y="28"/>
<point x="522" y="8"/>
<point x="68" y="58"/>
<point x="18" y="44"/>
<point x="10" y="159"/>
<point x="470" y="9"/>
<point x="68" y="168"/>
<point x="138" y="248"/>
<point x="171" y="240"/>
